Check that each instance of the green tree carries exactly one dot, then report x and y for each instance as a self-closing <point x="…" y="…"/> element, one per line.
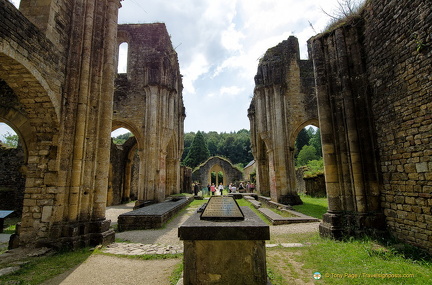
<point x="315" y="141"/>
<point x="306" y="154"/>
<point x="198" y="151"/>
<point x="188" y="139"/>
<point x="303" y="138"/>
<point x="121" y="139"/>
<point x="10" y="140"/>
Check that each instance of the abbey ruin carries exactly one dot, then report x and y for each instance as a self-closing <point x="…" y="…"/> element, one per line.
<point x="371" y="97"/>
<point x="367" y="86"/>
<point x="62" y="95"/>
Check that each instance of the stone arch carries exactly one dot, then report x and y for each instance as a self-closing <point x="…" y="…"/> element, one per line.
<point x="314" y="122"/>
<point x="125" y="167"/>
<point x="203" y="172"/>
<point x="35" y="116"/>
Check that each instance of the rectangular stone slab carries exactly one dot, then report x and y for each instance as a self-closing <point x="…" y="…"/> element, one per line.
<point x="222" y="208"/>
<point x="251" y="228"/>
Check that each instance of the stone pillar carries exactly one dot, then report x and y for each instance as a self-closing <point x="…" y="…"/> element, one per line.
<point x="346" y="133"/>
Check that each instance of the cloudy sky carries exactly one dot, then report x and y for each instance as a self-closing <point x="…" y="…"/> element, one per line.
<point x="219" y="43"/>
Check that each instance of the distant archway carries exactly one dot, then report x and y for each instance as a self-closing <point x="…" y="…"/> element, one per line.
<point x="217" y="164"/>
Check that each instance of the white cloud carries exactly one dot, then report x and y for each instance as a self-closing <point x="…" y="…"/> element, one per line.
<point x="231" y="38"/>
<point x="219" y="44"/>
<point x="193" y="71"/>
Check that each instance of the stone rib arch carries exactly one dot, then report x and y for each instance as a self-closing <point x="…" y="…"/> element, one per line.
<point x="31" y="88"/>
<point x="231" y="173"/>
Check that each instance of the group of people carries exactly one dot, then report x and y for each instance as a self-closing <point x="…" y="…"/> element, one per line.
<point x="232" y="188"/>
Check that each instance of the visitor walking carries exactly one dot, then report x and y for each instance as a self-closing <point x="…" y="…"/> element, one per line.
<point x="213" y="189"/>
<point x="196" y="189"/>
<point x="221" y="188"/>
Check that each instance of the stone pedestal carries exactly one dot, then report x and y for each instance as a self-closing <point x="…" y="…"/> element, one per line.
<point x="225" y="252"/>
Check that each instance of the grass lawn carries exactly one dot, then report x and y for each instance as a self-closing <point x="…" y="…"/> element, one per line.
<point x="39" y="269"/>
<point x="355" y="261"/>
<point x="314" y="207"/>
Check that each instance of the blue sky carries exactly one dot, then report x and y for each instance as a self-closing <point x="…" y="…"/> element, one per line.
<point x="219" y="43"/>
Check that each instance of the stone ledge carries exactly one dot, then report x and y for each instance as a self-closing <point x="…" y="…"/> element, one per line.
<point x="151" y="217"/>
<point x="251" y="228"/>
<point x="277" y="219"/>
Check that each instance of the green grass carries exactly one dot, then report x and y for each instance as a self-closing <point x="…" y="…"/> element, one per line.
<point x="314" y="207"/>
<point x="176" y="274"/>
<point x="361" y="257"/>
<point x="244" y="202"/>
<point x="354" y="261"/>
<point x="40" y="269"/>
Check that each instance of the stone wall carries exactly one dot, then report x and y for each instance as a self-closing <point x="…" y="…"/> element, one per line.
<point x="374" y="85"/>
<point x="148" y="101"/>
<point x="398" y="45"/>
<point x="216" y="164"/>
<point x="284" y="102"/>
<point x="315" y="186"/>
<point x="12" y="180"/>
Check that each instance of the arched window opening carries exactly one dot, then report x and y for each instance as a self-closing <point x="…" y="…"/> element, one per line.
<point x="12" y="174"/>
<point x="120" y="136"/>
<point x="8" y="137"/>
<point x="123" y="58"/>
<point x="309" y="163"/>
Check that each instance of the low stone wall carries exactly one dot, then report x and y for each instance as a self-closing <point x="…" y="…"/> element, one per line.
<point x="315" y="186"/>
<point x="153" y="216"/>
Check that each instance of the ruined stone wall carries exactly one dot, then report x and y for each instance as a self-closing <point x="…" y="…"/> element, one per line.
<point x="148" y="101"/>
<point x="284" y="102"/>
<point x="315" y="186"/>
<point x="231" y="174"/>
<point x="121" y="178"/>
<point x="373" y="79"/>
<point x="398" y="45"/>
<point x="58" y="58"/>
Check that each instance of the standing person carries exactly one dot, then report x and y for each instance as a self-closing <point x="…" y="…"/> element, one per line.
<point x="230" y="187"/>
<point x="220" y="188"/>
<point x="241" y="187"/>
<point x="208" y="189"/>
<point x="213" y="189"/>
<point x="196" y="189"/>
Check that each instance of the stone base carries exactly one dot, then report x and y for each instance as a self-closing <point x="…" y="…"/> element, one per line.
<point x="339" y="225"/>
<point x="225" y="252"/>
<point x="77" y="235"/>
<point x="207" y="262"/>
<point x="290" y="199"/>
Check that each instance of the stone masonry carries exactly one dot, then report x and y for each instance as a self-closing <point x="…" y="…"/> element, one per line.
<point x="284" y="102"/>
<point x="373" y="87"/>
<point x="148" y="101"/>
<point x="381" y="67"/>
<point x="216" y="164"/>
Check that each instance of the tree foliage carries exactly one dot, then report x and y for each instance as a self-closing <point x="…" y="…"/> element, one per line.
<point x="10" y="140"/>
<point x="121" y="139"/>
<point x="198" y="151"/>
<point x="308" y="146"/>
<point x="235" y="146"/>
